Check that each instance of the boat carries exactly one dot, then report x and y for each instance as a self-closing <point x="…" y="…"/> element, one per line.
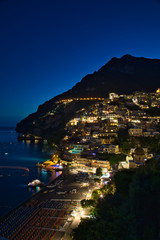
<point x="35" y="183"/>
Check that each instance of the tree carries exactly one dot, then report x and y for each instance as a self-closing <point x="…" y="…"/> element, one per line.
<point x="97" y="180"/>
<point x="87" y="203"/>
<point x="95" y="194"/>
<point x="99" y="172"/>
<point x="115" y="158"/>
<point x="108" y="189"/>
<point x="122" y="180"/>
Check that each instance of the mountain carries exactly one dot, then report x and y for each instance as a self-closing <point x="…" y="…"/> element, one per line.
<point x="121" y="75"/>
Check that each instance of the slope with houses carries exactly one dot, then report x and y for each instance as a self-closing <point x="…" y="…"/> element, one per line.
<point x="113" y="133"/>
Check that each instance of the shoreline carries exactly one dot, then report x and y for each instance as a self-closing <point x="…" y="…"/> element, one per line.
<point x="31" y="197"/>
<point x="49" y="213"/>
<point x="14" y="182"/>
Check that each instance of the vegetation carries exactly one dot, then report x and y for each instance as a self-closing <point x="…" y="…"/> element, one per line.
<point x="153" y="111"/>
<point x="56" y="137"/>
<point x="131" y="213"/>
<point x="152" y="143"/>
<point x="87" y="203"/>
<point x="115" y="158"/>
<point x="99" y="172"/>
<point x="126" y="142"/>
<point x="98" y="180"/>
<point x="95" y="194"/>
<point x="133" y="107"/>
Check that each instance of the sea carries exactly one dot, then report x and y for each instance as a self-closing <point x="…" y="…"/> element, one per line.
<point x="18" y="161"/>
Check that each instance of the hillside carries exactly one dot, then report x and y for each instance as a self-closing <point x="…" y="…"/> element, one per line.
<point x="121" y="75"/>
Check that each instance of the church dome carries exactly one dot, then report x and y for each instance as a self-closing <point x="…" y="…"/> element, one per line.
<point x="139" y="151"/>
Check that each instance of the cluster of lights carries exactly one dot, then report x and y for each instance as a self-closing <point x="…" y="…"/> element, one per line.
<point x="77" y="99"/>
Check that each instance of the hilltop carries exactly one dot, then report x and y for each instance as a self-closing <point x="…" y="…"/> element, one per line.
<point x="121" y="75"/>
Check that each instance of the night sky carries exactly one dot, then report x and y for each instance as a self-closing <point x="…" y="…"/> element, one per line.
<point x="46" y="46"/>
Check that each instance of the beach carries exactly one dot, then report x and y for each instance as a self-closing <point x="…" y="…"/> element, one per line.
<point x="15" y="159"/>
<point x="51" y="213"/>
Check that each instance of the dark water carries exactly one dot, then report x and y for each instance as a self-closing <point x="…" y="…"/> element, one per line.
<point x="13" y="181"/>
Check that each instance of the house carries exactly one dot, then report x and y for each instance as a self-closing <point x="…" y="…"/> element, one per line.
<point x="109" y="148"/>
<point x="95" y="134"/>
<point x="113" y="96"/>
<point x="108" y="134"/>
<point x="74" y="121"/>
<point x="136" y="132"/>
<point x="123" y="165"/>
<point x="150" y="133"/>
<point x="86" y="163"/>
<point x="113" y="148"/>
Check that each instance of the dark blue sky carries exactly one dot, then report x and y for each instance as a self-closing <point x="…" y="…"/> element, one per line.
<point x="46" y="46"/>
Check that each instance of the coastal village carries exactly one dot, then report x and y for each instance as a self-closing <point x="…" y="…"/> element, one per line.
<point x="80" y="120"/>
<point x="121" y="132"/>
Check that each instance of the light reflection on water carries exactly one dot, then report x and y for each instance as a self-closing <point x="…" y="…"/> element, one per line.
<point x="14" y="183"/>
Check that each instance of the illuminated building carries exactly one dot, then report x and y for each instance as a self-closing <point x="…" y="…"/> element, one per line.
<point x="158" y="90"/>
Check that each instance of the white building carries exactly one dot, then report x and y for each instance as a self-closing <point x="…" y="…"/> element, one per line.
<point x="113" y="96"/>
